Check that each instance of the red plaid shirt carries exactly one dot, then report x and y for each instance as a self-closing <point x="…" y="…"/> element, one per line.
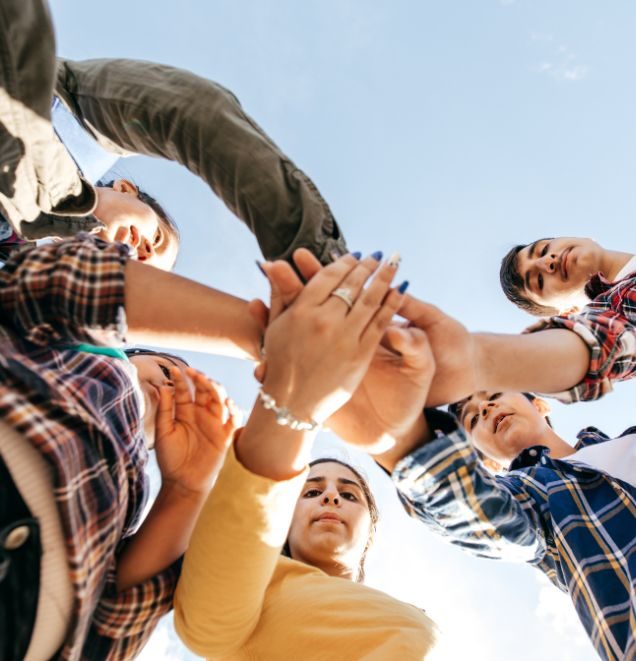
<point x="608" y="326"/>
<point x="81" y="411"/>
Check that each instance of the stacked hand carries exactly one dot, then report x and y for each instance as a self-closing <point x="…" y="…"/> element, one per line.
<point x="193" y="434"/>
<point x="387" y="405"/>
<point x="319" y="348"/>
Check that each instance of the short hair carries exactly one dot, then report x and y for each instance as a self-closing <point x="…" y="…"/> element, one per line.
<point x="514" y="286"/>
<point x="168" y="222"/>
<point x="374" y="512"/>
<point x="457" y="408"/>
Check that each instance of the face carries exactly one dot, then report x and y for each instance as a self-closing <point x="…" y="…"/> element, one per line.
<point x="331" y="523"/>
<point x="129" y="220"/>
<point x="153" y="372"/>
<point x="555" y="271"/>
<point x="501" y="425"/>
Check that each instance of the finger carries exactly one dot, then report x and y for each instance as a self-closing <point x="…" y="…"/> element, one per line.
<point x="307" y="263"/>
<point x="208" y="394"/>
<point x="182" y="393"/>
<point x="367" y="304"/>
<point x="412" y="344"/>
<point x="423" y="315"/>
<point x="286" y="286"/>
<point x="329" y="278"/>
<point x="354" y="282"/>
<point x="165" y="412"/>
<point x="235" y="414"/>
<point x="260" y="371"/>
<point x="259" y="311"/>
<point x="377" y="326"/>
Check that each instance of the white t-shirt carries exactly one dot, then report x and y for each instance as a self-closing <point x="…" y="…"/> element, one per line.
<point x="616" y="458"/>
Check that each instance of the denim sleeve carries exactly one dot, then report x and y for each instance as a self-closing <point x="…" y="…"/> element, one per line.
<point x="445" y="486"/>
<point x="67" y="292"/>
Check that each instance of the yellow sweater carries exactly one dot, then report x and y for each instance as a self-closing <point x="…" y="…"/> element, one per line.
<point x="238" y="598"/>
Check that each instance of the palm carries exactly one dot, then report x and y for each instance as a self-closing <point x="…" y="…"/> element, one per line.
<point x="192" y="435"/>
<point x="390" y="398"/>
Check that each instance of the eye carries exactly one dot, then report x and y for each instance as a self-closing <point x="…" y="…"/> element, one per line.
<point x="473" y="421"/>
<point x="347" y="495"/>
<point x="540" y="282"/>
<point x="311" y="493"/>
<point x="544" y="250"/>
<point x="494" y="396"/>
<point x="165" y="370"/>
<point x="158" y="237"/>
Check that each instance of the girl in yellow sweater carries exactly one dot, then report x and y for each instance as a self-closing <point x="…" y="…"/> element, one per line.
<point x="238" y="597"/>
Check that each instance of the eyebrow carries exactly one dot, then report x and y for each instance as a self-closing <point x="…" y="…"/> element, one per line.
<point x="341" y="480"/>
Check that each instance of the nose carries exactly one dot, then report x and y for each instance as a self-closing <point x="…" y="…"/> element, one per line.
<point x="485" y="408"/>
<point x="548" y="263"/>
<point x="329" y="497"/>
<point x="144" y="250"/>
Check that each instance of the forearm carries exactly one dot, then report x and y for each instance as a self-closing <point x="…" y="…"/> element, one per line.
<point x="162" y="538"/>
<point x="417" y="435"/>
<point x="549" y="361"/>
<point x="170" y="311"/>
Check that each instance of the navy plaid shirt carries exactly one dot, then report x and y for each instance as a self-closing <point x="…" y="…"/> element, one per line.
<point x="82" y="412"/>
<point x="576" y="524"/>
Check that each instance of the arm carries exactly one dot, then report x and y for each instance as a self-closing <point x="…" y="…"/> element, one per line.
<point x="445" y="486"/>
<point x="48" y="294"/>
<point x="317" y="353"/>
<point x="192" y="439"/>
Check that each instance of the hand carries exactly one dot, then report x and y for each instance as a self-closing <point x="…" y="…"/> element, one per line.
<point x="318" y="350"/>
<point x="454" y="350"/>
<point x="193" y="435"/>
<point x="385" y="413"/>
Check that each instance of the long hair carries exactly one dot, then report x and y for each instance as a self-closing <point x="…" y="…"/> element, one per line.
<point x="372" y="506"/>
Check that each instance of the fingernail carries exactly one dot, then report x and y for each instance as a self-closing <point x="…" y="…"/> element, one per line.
<point x="377" y="255"/>
<point x="260" y="267"/>
<point x="394" y="260"/>
<point x="356" y="254"/>
<point x="403" y="287"/>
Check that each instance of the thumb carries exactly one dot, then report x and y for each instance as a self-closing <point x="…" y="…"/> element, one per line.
<point x="423" y="315"/>
<point x="411" y="343"/>
<point x="165" y="422"/>
<point x="285" y="284"/>
<point x="259" y="311"/>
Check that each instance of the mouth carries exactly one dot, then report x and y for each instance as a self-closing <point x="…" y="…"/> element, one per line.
<point x="329" y="516"/>
<point x="498" y="420"/>
<point x="563" y="263"/>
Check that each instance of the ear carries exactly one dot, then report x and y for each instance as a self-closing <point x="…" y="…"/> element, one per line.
<point x="542" y="406"/>
<point x="125" y="186"/>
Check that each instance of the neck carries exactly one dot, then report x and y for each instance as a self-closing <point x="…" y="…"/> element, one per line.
<point x="612" y="262"/>
<point x="558" y="447"/>
<point x="334" y="567"/>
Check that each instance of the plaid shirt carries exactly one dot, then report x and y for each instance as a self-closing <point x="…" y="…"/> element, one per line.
<point x="81" y="411"/>
<point x="576" y="524"/>
<point x="608" y="326"/>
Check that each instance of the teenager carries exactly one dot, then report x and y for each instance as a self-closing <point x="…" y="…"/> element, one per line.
<point x="75" y="418"/>
<point x="237" y="596"/>
<point x="524" y="515"/>
<point x="551" y="276"/>
<point x="140" y="107"/>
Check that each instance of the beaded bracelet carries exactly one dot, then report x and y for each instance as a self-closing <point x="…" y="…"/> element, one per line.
<point x="284" y="417"/>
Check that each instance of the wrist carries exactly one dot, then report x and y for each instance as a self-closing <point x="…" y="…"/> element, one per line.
<point x="297" y="400"/>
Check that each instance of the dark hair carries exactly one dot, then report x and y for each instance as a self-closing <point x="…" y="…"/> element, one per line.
<point x="457" y="408"/>
<point x="374" y="513"/>
<point x="131" y="353"/>
<point x="514" y="286"/>
<point x="169" y="225"/>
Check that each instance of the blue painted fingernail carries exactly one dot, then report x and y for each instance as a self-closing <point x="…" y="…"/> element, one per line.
<point x="377" y="255"/>
<point x="356" y="254"/>
<point x="260" y="267"/>
<point x="403" y="287"/>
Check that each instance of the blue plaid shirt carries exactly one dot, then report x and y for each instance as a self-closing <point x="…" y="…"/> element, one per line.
<point x="576" y="524"/>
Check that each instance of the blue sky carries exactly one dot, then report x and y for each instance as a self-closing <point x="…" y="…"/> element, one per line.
<point x="447" y="131"/>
